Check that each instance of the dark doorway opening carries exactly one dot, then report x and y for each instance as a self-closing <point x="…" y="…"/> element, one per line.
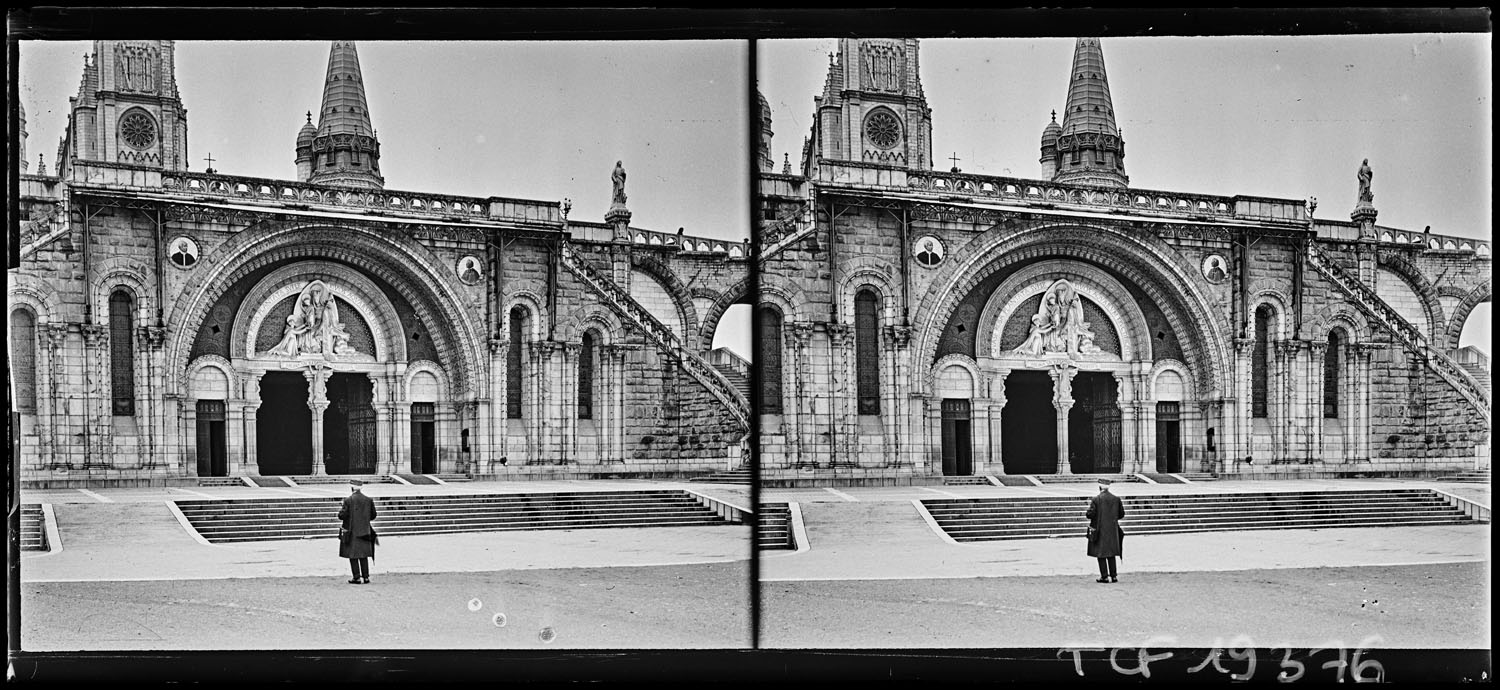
<point x="1028" y="424"/>
<point x="349" y="425"/>
<point x="1094" y="424"/>
<point x="1168" y="437"/>
<point x="958" y="457"/>
<point x="423" y="438"/>
<point x="212" y="458"/>
<point x="283" y="425"/>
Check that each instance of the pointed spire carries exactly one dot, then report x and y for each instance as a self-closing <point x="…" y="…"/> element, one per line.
<point x="1087" y="147"/>
<point x="1089" y="108"/>
<point x="344" y="108"/>
<point x="349" y="152"/>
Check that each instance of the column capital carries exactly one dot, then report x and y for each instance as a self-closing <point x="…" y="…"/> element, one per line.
<point x="1244" y="344"/>
<point x="153" y="337"/>
<point x="801" y="332"/>
<point x="499" y="346"/>
<point x="1318" y="348"/>
<point x="839" y="332"/>
<point x="57" y="334"/>
<point x="897" y="335"/>
<point x="93" y="333"/>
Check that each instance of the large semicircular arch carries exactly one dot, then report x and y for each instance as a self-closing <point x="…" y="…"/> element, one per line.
<point x="1147" y="263"/>
<point x="396" y="259"/>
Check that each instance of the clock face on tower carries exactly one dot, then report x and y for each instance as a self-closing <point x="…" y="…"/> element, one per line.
<point x="138" y="129"/>
<point x="882" y="129"/>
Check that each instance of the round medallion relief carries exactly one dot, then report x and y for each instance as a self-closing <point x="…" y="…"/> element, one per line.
<point x="928" y="250"/>
<point x="1215" y="268"/>
<point x="470" y="270"/>
<point x="182" y="252"/>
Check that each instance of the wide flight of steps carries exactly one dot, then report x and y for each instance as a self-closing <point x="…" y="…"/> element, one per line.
<point x="242" y="520"/>
<point x="33" y="528"/>
<point x="1471" y="476"/>
<point x="311" y="479"/>
<point x="739" y="476"/>
<point x="1083" y="478"/>
<point x="987" y="519"/>
<point x="740" y="381"/>
<point x="774" y="529"/>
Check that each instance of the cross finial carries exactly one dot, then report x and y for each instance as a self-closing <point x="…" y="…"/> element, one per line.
<point x="309" y="117"/>
<point x="210" y="160"/>
<point x="1054" y="114"/>
<point x="955" y="160"/>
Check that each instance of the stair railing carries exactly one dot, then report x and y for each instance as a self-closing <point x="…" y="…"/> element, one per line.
<point x="786" y="231"/>
<point x="1409" y="336"/>
<point x="658" y="333"/>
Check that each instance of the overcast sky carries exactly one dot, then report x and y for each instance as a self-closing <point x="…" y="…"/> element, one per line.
<point x="536" y="120"/>
<point x="1284" y="116"/>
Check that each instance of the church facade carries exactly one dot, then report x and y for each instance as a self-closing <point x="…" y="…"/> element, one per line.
<point x="918" y="323"/>
<point x="170" y="324"/>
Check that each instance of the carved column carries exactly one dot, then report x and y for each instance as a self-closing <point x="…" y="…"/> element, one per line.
<point x="399" y="406"/>
<point x="97" y="404"/>
<point x="1130" y="454"/>
<point x="896" y="395"/>
<point x="249" y="411"/>
<point x="317" y="401"/>
<point x="1282" y="399"/>
<point x="1363" y="427"/>
<point x="1062" y="401"/>
<point x="568" y="420"/>
<point x="496" y="441"/>
<point x="1317" y="352"/>
<point x="994" y="460"/>
<point x="802" y="403"/>
<point x="843" y="396"/>
<point x="1244" y="432"/>
<point x="53" y="425"/>
<point x="545" y="423"/>
<point x="152" y="339"/>
<point x="380" y="399"/>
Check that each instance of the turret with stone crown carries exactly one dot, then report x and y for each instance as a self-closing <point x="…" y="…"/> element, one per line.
<point x="127" y="109"/>
<point x="873" y="109"/>
<point x="1087" y="147"/>
<point x="344" y="149"/>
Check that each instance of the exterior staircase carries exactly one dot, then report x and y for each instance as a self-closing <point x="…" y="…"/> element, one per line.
<point x="658" y="333"/>
<point x="1472" y="477"/>
<point x="1481" y="376"/>
<point x="967" y="481"/>
<point x="786" y="231"/>
<point x="33" y="528"/>
<point x="739" y="476"/>
<point x="1197" y="476"/>
<point x="732" y="367"/>
<point x="310" y="479"/>
<point x="990" y="519"/>
<point x="1084" y="478"/>
<point x="452" y="478"/>
<point x="246" y="520"/>
<point x="773" y="530"/>
<point x="221" y="481"/>
<point x="1408" y="335"/>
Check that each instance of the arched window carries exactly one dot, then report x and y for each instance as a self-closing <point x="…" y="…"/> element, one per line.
<point x="586" y="377"/>
<point x="1331" y="377"/>
<point x="866" y="351"/>
<point x="1260" y="362"/>
<point x="23" y="359"/>
<point x="770" y="359"/>
<point x="514" y="363"/>
<point x="121" y="354"/>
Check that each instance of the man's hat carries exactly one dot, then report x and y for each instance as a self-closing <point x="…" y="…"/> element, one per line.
<point x="357" y="482"/>
<point x="1106" y="481"/>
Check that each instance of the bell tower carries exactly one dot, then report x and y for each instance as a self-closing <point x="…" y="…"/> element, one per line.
<point x="127" y="109"/>
<point x="872" y="109"/>
<point x="343" y="148"/>
<point x="1087" y="147"/>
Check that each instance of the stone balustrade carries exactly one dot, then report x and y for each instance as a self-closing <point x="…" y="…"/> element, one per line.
<point x="659" y="334"/>
<point x="322" y="197"/>
<point x="1408" y="335"/>
<point x="689" y="243"/>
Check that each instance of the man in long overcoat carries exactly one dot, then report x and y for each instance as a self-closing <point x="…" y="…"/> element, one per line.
<point x="357" y="538"/>
<point x="1105" y="511"/>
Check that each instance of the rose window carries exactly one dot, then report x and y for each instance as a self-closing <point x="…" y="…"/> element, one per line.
<point x="882" y="129"/>
<point x="137" y="129"/>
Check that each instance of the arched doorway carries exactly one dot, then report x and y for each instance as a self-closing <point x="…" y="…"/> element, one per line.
<point x="283" y="429"/>
<point x="1028" y="424"/>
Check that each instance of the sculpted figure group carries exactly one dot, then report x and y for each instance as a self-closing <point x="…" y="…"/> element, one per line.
<point x="313" y="327"/>
<point x="1059" y="326"/>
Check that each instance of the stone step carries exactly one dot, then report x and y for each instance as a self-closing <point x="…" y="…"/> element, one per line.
<point x="1002" y="518"/>
<point x="310" y="480"/>
<point x="221" y="481"/>
<point x="774" y="529"/>
<point x="1084" y="478"/>
<point x="726" y="477"/>
<point x="33" y="528"/>
<point x="966" y="481"/>
<point x="1179" y="529"/>
<point x="298" y="518"/>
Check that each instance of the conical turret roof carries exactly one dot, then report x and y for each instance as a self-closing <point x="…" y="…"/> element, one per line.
<point x="1089" y="108"/>
<point x="344" y="108"/>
